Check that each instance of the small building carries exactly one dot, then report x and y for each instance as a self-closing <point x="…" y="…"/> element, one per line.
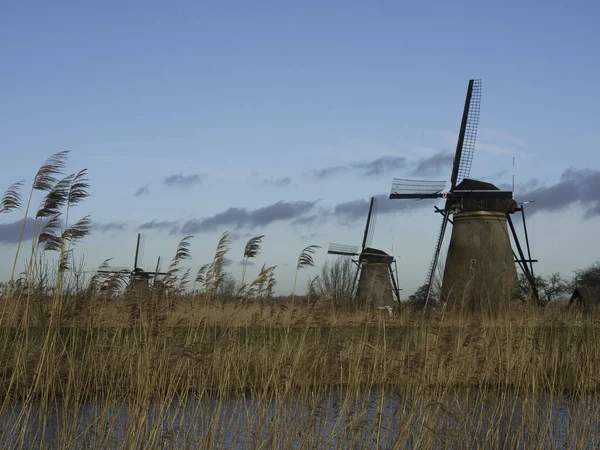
<point x="586" y="297"/>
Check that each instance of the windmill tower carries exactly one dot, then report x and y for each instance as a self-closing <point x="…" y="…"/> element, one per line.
<point x="480" y="250"/>
<point x="376" y="270"/>
<point x="139" y="279"/>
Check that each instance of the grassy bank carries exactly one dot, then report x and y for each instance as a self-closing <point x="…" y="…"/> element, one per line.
<point x="437" y="365"/>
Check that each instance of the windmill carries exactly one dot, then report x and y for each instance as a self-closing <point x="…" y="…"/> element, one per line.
<point x="376" y="270"/>
<point x="480" y="213"/>
<point x="139" y="278"/>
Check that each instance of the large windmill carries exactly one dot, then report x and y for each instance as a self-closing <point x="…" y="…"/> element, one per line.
<point x="480" y="213"/>
<point x="139" y="278"/>
<point x="376" y="270"/>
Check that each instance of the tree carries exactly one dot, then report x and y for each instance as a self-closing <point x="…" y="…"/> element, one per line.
<point x="588" y="277"/>
<point x="419" y="297"/>
<point x="549" y="288"/>
<point x="335" y="280"/>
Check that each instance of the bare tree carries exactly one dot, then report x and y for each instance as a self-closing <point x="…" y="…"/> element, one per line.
<point x="335" y="280"/>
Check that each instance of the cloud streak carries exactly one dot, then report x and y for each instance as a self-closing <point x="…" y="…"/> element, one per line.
<point x="240" y="218"/>
<point x="575" y="187"/>
<point x="144" y="190"/>
<point x="183" y="181"/>
<point x="104" y="227"/>
<point x="358" y="209"/>
<point x="11" y="232"/>
<point x="433" y="165"/>
<point x="379" y="166"/>
<point x="159" y="225"/>
<point x="277" y="182"/>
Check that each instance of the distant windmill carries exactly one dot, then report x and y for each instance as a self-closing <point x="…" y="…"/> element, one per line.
<point x="480" y="212"/>
<point x="139" y="278"/>
<point x="376" y="268"/>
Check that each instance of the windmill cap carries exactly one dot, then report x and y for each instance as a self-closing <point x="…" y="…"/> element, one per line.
<point x="468" y="184"/>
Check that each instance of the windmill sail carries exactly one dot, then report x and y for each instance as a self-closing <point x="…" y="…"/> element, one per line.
<point x="465" y="146"/>
<point x="340" y="249"/>
<point x="417" y="189"/>
<point x="436" y="256"/>
<point x="372" y="223"/>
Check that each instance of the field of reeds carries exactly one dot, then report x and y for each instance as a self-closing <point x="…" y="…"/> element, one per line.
<point x="97" y="365"/>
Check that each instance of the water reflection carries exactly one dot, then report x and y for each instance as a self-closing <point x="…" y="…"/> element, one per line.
<point x="377" y="420"/>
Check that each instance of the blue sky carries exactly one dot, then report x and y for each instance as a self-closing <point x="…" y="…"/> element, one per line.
<point x="244" y="104"/>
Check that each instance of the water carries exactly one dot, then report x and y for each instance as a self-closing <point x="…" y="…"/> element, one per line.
<point x="376" y="420"/>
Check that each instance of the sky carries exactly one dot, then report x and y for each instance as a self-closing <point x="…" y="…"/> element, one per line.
<point x="284" y="118"/>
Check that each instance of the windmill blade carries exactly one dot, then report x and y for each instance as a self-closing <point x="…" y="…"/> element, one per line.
<point x="137" y="251"/>
<point x="372" y="224"/>
<point x="367" y="226"/>
<point x="416" y="189"/>
<point x="436" y="254"/>
<point x="112" y="269"/>
<point x="345" y="250"/>
<point x="465" y="146"/>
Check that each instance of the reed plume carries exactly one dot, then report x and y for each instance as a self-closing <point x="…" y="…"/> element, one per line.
<point x="251" y="250"/>
<point x="305" y="259"/>
<point x="11" y="199"/>
<point x="215" y="274"/>
<point x="182" y="253"/>
<point x="44" y="180"/>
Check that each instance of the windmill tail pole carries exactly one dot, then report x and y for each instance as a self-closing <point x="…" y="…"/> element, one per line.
<point x="526" y="270"/>
<point x="527" y="241"/>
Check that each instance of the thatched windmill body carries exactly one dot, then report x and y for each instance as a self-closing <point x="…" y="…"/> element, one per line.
<point x="139" y="279"/>
<point x="376" y="271"/>
<point x="480" y="249"/>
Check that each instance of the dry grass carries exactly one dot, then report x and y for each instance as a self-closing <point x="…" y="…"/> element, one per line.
<point x="174" y="370"/>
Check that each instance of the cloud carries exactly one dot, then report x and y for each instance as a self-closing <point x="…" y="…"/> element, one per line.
<point x="379" y="166"/>
<point x="433" y="165"/>
<point x="329" y="171"/>
<point x="248" y="263"/>
<point x="278" y="182"/>
<point x="358" y="209"/>
<point x="180" y="180"/>
<point x="10" y="232"/>
<point x="144" y="190"/>
<point x="109" y="226"/>
<point x="227" y="262"/>
<point x="238" y="218"/>
<point x="575" y="186"/>
<point x="159" y="225"/>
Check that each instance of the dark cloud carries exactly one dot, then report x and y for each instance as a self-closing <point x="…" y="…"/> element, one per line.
<point x="575" y="186"/>
<point x="278" y="182"/>
<point x="180" y="180"/>
<point x="248" y="263"/>
<point x="358" y="209"/>
<point x="160" y="225"/>
<point x="375" y="167"/>
<point x="227" y="262"/>
<point x="108" y="226"/>
<point x="238" y="218"/>
<point x="11" y="232"/>
<point x="434" y="164"/>
<point x="380" y="166"/>
<point x="330" y="171"/>
<point x="144" y="190"/>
